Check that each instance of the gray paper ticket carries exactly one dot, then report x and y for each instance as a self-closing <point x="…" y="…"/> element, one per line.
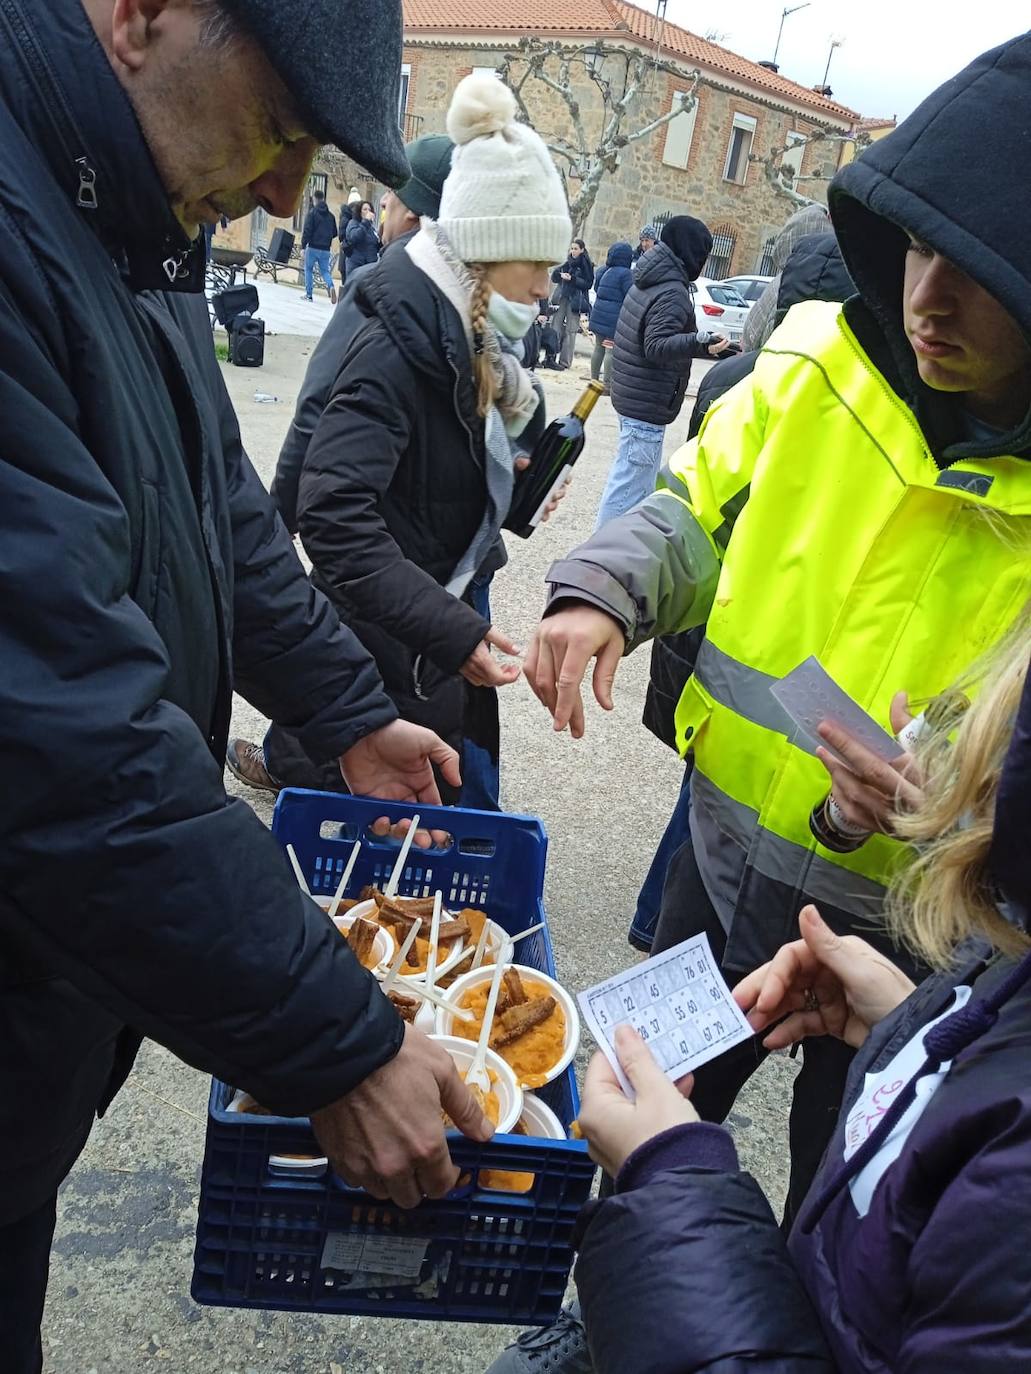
<point x="677" y="1001"/>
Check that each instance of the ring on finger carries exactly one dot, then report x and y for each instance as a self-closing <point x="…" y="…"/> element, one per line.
<point x="810" y="1001"/>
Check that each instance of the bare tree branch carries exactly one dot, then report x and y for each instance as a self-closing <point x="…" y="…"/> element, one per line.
<point x="589" y="154"/>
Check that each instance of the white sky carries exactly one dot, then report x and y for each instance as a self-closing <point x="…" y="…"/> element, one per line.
<point x="895" y="51"/>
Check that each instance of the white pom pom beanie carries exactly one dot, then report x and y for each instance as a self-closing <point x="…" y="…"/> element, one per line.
<point x="503" y="199"/>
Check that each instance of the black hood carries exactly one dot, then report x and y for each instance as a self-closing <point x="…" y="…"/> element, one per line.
<point x="814" y="271"/>
<point x="660" y="264"/>
<point x="690" y="240"/>
<point x="954" y="174"/>
<point x="1008" y="861"/>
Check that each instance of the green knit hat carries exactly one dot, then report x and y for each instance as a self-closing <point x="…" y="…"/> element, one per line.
<point x="430" y="160"/>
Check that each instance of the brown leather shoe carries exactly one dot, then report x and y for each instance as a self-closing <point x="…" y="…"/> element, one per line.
<point x="246" y="761"/>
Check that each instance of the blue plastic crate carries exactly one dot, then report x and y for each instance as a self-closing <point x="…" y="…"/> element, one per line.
<point x="311" y="1244"/>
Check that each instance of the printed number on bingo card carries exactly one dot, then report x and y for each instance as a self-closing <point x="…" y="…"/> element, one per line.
<point x="677" y="1002"/>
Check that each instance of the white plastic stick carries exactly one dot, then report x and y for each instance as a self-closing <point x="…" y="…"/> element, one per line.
<point x="431" y="958"/>
<point x="291" y="854"/>
<point x="338" y="895"/>
<point x="435" y="999"/>
<point x="401" y="955"/>
<point x="532" y="930"/>
<point x="477" y="1073"/>
<point x="391" y="888"/>
<point x="481" y="946"/>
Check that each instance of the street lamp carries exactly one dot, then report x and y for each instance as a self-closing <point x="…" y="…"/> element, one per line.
<point x="836" y="42"/>
<point x="784" y="14"/>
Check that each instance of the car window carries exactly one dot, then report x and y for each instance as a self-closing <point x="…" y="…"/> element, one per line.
<point x="725" y="295"/>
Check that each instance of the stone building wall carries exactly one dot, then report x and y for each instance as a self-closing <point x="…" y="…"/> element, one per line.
<point x="644" y="186"/>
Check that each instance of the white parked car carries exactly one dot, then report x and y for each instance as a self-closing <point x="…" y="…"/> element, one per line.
<point x="719" y="307"/>
<point x="750" y="287"/>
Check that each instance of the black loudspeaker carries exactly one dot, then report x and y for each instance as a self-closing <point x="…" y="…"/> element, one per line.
<point x="281" y="246"/>
<point x="247" y="341"/>
<point x="237" y="300"/>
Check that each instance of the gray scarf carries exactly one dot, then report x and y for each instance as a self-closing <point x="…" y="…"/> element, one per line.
<point x="516" y="400"/>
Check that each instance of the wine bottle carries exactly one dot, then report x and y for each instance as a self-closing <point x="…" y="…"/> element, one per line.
<point x="551" y="462"/>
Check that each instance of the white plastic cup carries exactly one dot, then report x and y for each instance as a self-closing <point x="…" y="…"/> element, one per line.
<point x="479" y="976"/>
<point x="509" y="1093"/>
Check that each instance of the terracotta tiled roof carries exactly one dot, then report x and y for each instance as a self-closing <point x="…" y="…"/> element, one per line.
<point x="595" y="17"/>
<point x="612" y="20"/>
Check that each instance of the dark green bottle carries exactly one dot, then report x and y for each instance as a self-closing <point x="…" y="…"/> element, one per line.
<point x="551" y="462"/>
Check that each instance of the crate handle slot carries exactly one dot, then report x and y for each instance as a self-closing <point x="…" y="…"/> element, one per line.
<point x="479" y="849"/>
<point x="297" y="1166"/>
<point x="345" y="831"/>
<point x="388" y="842"/>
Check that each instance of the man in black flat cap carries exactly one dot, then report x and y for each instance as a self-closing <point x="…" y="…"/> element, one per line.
<point x="144" y="575"/>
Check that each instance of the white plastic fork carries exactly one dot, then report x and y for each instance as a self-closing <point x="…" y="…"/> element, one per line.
<point x="476" y="1076"/>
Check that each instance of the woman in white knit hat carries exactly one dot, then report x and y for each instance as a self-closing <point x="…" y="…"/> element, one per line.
<point x="409" y="475"/>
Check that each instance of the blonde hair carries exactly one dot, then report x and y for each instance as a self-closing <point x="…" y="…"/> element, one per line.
<point x="946" y="894"/>
<point x="484" y="374"/>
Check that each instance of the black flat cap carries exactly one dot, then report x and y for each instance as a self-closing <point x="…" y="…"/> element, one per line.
<point x="347" y="92"/>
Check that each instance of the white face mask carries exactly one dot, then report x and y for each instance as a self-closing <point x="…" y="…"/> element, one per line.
<point x="510" y="318"/>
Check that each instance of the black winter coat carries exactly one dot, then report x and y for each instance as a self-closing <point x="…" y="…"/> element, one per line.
<point x="577" y="289"/>
<point x="611" y="283"/>
<point x="144" y="573"/>
<point x="393" y="490"/>
<point x="361" y="244"/>
<point x="656" y="338"/>
<point x="319" y="228"/>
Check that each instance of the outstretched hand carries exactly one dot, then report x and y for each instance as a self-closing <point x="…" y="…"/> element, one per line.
<point x="557" y="660"/>
<point x="396" y="763"/>
<point x="823" y="984"/>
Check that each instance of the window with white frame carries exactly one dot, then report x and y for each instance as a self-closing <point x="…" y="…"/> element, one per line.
<point x="679" y="133"/>
<point x="741" y="136"/>
<point x="791" y="161"/>
<point x="402" y="95"/>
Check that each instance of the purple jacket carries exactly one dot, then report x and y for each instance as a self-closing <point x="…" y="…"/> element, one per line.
<point x="685" y="1268"/>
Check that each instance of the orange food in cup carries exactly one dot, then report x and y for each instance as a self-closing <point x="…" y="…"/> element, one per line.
<point x="532" y="1055"/>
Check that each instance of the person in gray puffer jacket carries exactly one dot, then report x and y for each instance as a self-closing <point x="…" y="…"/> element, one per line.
<point x="656" y="339"/>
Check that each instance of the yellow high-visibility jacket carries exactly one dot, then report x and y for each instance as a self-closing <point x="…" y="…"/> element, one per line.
<point x="809" y="517"/>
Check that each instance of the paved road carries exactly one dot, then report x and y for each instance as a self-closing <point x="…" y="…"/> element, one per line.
<point x="119" y="1299"/>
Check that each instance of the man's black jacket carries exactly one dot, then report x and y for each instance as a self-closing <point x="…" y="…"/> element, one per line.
<point x="143" y="573"/>
<point x="656" y="338"/>
<point x="320" y="227"/>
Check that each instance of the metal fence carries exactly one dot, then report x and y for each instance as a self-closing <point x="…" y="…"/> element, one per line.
<point x="765" y="267"/>
<point x="719" y="261"/>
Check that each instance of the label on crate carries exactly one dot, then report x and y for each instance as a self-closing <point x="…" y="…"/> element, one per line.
<point x="678" y="1003"/>
<point x="399" y="1256"/>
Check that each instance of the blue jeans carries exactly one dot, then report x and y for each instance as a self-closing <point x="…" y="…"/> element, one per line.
<point x="316" y="257"/>
<point x="635" y="468"/>
<point x="649" y="899"/>
<point x="481" y="775"/>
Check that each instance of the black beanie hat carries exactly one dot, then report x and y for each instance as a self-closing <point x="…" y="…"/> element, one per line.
<point x="347" y="93"/>
<point x="689" y="240"/>
<point x="430" y="160"/>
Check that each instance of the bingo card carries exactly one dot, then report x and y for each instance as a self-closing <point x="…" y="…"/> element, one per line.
<point x="677" y="1001"/>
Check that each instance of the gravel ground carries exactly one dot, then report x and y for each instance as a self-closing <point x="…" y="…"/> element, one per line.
<point x="119" y="1294"/>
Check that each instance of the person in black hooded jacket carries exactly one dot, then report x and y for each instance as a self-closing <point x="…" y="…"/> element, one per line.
<point x="656" y="339"/>
<point x="902" y="416"/>
<point x="814" y="271"/>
